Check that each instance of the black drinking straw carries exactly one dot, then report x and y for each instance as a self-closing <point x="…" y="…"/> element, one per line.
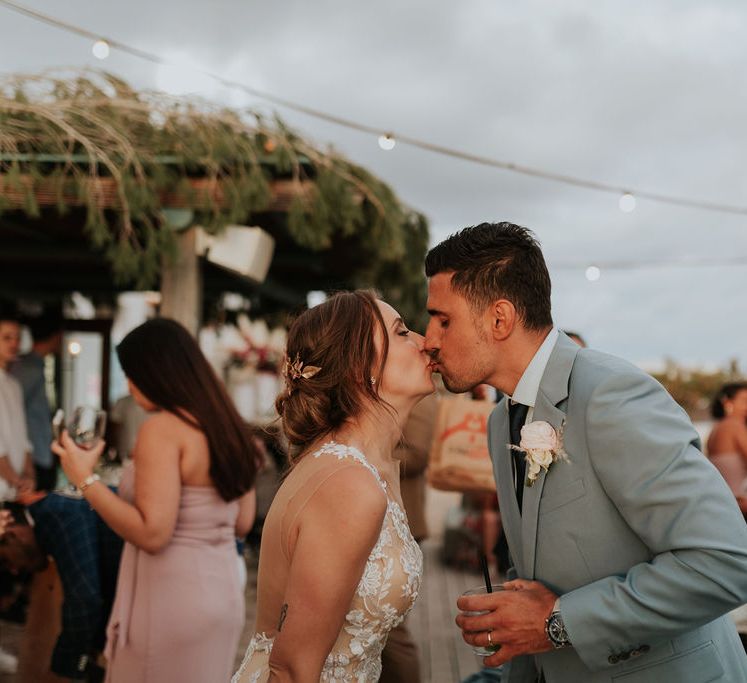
<point x="486" y="573"/>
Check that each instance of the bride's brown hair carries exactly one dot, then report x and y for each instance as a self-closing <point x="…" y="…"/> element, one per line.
<point x="337" y="336"/>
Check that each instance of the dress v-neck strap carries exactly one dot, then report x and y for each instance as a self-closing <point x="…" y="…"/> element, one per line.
<point x="342" y="451"/>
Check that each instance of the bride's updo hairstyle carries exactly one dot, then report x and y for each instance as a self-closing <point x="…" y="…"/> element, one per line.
<point x="331" y="360"/>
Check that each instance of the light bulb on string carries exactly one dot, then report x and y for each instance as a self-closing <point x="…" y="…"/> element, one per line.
<point x="387" y="142"/>
<point x="74" y="348"/>
<point x="627" y="203"/>
<point x="100" y="49"/>
<point x="593" y="273"/>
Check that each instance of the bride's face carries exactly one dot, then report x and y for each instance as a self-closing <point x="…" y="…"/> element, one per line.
<point x="407" y="372"/>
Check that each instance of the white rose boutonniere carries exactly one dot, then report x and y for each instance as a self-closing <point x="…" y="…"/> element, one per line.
<point x="542" y="445"/>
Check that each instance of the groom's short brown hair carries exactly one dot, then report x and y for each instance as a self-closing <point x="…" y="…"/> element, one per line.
<point x="494" y="261"/>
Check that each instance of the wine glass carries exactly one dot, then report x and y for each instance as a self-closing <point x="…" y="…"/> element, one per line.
<point x="87" y="426"/>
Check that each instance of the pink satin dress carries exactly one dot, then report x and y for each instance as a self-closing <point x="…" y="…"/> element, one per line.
<point x="178" y="614"/>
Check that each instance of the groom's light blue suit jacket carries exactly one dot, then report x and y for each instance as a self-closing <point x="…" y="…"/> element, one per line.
<point x="637" y="532"/>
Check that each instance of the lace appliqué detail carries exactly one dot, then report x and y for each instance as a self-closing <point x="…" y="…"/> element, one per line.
<point x="343" y="451"/>
<point x="259" y="643"/>
<point x="411" y="557"/>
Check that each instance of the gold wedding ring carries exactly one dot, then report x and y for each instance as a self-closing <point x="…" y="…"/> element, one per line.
<point x="490" y="640"/>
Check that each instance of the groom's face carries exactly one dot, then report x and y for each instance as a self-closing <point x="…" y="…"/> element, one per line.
<point x="457" y="337"/>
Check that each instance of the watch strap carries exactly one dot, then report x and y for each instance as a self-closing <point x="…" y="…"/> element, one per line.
<point x="88" y="481"/>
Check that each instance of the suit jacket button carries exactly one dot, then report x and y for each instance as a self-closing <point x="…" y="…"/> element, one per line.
<point x="624" y="656"/>
<point x="635" y="653"/>
<point x="613" y="659"/>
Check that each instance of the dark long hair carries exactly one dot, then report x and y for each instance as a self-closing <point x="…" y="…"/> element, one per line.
<point x="165" y="363"/>
<point x="726" y="392"/>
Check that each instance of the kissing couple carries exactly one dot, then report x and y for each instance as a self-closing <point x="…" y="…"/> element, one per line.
<point x="627" y="546"/>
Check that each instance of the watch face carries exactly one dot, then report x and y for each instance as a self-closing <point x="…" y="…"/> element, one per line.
<point x="556" y="630"/>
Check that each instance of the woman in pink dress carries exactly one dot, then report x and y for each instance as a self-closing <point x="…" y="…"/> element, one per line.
<point x="186" y="496"/>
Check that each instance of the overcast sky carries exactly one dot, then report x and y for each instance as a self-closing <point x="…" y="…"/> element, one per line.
<point x="644" y="94"/>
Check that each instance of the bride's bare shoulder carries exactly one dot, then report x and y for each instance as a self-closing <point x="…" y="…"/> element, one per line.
<point x="346" y="490"/>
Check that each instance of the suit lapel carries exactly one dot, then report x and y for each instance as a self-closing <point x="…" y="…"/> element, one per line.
<point x="552" y="391"/>
<point x="509" y="508"/>
<point x="544" y="411"/>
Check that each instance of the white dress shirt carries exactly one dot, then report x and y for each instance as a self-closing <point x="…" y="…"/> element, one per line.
<point x="14" y="443"/>
<point x="528" y="387"/>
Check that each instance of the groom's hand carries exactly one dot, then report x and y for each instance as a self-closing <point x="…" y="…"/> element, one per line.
<point x="516" y="620"/>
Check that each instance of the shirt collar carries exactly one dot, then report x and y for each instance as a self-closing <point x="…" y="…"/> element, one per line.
<point x="528" y="387"/>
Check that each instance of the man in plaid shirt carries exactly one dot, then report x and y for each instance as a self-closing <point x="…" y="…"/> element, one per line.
<point x="86" y="553"/>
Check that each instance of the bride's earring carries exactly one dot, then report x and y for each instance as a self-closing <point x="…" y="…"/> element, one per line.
<point x="372" y="380"/>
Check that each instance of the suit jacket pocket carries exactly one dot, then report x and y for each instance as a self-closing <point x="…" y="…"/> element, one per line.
<point x="556" y="499"/>
<point x="699" y="665"/>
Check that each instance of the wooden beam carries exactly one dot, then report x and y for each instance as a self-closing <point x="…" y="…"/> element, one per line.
<point x="204" y="193"/>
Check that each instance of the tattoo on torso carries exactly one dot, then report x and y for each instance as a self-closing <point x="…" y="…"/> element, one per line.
<point x="283" y="614"/>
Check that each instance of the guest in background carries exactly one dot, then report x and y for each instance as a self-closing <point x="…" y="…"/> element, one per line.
<point x="86" y="556"/>
<point x="727" y="442"/>
<point x="16" y="467"/>
<point x="125" y="419"/>
<point x="576" y="337"/>
<point x="46" y="332"/>
<point x="184" y="497"/>
<point x="727" y="450"/>
<point x="399" y="660"/>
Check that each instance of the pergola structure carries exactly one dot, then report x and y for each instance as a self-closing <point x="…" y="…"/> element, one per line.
<point x="102" y="189"/>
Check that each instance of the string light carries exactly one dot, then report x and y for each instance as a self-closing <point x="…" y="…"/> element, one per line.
<point x="387" y="142"/>
<point x="593" y="273"/>
<point x="74" y="348"/>
<point x="627" y="203"/>
<point x="315" y="297"/>
<point x="100" y="49"/>
<point x="551" y="176"/>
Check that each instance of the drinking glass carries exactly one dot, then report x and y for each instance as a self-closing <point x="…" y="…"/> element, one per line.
<point x="87" y="426"/>
<point x="487" y="650"/>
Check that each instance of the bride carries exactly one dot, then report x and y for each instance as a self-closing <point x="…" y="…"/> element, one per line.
<point x="338" y="567"/>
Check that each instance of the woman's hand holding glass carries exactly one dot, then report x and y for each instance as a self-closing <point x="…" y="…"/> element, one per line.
<point x="77" y="463"/>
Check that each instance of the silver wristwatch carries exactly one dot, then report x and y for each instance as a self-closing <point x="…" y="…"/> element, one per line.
<point x="555" y="629"/>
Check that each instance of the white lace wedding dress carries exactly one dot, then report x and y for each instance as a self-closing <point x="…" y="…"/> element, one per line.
<point x="385" y="594"/>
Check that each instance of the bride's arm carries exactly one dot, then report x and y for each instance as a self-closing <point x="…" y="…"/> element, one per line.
<point x="339" y="526"/>
<point x="149" y="523"/>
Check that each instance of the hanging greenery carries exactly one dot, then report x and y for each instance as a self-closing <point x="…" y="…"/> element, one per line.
<point x="125" y="156"/>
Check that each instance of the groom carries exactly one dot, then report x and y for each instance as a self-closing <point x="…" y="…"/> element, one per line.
<point x="628" y="545"/>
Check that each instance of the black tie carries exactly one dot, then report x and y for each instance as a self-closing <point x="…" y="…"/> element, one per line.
<point x="517" y="415"/>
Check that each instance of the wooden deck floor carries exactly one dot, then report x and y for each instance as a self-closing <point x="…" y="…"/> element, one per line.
<point x="444" y="656"/>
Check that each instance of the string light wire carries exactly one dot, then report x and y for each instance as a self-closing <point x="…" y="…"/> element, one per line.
<point x="443" y="150"/>
<point x="604" y="266"/>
